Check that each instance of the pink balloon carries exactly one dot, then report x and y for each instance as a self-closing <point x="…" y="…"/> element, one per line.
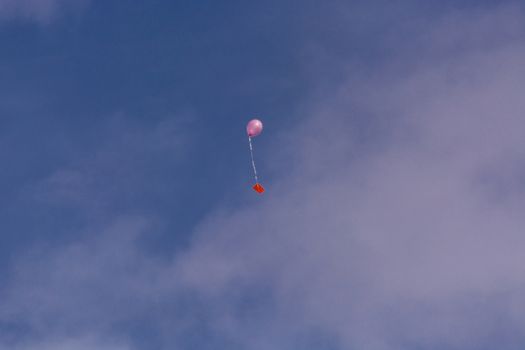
<point x="254" y="127"/>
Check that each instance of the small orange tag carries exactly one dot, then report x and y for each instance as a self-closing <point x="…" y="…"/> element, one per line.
<point x="258" y="188"/>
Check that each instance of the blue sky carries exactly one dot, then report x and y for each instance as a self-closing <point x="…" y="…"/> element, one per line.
<point x="392" y="156"/>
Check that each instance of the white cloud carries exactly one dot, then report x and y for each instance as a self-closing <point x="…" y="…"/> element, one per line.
<point x="415" y="240"/>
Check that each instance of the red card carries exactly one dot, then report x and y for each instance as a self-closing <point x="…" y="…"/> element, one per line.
<point x="258" y="188"/>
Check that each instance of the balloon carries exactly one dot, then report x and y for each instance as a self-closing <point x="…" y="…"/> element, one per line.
<point x="254" y="127"/>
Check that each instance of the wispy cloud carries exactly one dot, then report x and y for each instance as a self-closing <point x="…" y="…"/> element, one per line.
<point x="409" y="237"/>
<point x="124" y="155"/>
<point x="84" y="343"/>
<point x="41" y="11"/>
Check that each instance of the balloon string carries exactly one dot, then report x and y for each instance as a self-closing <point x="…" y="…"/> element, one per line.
<point x="253" y="162"/>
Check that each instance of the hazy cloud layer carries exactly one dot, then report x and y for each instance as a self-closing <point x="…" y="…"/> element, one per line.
<point x="125" y="154"/>
<point x="42" y="11"/>
<point x="404" y="234"/>
<point x="70" y="344"/>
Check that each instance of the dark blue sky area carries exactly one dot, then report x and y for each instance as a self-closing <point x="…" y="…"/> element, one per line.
<point x="213" y="65"/>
